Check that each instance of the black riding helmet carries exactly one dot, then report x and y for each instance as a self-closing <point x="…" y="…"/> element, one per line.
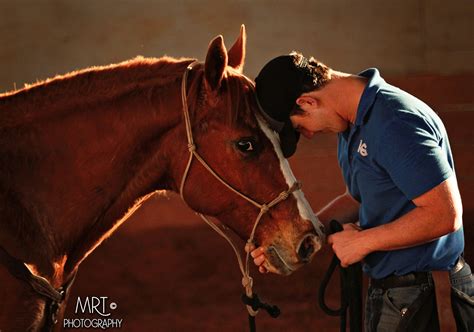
<point x="280" y="82"/>
<point x="278" y="85"/>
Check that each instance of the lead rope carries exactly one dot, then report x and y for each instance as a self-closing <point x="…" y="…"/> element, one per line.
<point x="351" y="290"/>
<point x="251" y="300"/>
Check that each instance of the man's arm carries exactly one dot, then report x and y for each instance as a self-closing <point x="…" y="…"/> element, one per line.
<point x="438" y="212"/>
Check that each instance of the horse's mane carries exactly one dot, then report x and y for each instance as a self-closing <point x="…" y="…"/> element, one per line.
<point x="108" y="82"/>
<point x="99" y="82"/>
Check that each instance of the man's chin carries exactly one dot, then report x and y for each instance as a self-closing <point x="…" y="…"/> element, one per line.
<point x="308" y="134"/>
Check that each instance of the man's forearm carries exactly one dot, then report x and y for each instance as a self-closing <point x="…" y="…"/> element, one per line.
<point x="416" y="227"/>
<point x="438" y="212"/>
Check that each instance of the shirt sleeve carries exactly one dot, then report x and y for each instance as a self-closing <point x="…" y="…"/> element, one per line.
<point x="411" y="151"/>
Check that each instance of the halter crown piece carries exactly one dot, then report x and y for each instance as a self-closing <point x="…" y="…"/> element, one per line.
<point x="247" y="281"/>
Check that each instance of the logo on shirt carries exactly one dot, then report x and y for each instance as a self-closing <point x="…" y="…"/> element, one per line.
<point x="362" y="149"/>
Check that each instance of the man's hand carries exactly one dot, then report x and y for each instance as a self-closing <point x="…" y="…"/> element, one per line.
<point x="258" y="256"/>
<point x="348" y="245"/>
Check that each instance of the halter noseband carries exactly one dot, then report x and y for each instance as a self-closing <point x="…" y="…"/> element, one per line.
<point x="247" y="281"/>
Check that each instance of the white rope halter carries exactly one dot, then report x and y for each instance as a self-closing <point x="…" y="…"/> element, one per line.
<point x="247" y="281"/>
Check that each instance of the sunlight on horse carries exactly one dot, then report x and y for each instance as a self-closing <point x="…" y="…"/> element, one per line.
<point x="77" y="152"/>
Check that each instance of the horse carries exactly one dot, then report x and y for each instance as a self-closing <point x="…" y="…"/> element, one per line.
<point x="80" y="152"/>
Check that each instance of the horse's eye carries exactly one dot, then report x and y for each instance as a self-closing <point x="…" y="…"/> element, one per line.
<point x="245" y="145"/>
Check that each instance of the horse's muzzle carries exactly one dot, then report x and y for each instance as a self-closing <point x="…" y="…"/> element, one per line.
<point x="284" y="262"/>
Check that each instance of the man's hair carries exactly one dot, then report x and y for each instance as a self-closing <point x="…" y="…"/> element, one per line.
<point x="315" y="73"/>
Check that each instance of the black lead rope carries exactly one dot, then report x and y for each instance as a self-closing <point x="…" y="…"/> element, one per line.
<point x="256" y="304"/>
<point x="351" y="290"/>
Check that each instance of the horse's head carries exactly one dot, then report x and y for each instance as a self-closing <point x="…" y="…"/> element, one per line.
<point x="238" y="145"/>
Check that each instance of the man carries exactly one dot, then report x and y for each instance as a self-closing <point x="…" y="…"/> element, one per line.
<point x="396" y="161"/>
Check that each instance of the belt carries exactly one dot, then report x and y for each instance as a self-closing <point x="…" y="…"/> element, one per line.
<point x="410" y="279"/>
<point x="393" y="281"/>
<point x="459" y="265"/>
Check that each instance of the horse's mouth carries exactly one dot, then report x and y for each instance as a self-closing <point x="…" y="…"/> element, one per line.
<point x="277" y="264"/>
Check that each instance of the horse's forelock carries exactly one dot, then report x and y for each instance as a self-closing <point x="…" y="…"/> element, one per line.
<point x="240" y="98"/>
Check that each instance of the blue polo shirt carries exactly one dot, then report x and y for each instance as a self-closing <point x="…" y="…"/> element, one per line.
<point x="397" y="150"/>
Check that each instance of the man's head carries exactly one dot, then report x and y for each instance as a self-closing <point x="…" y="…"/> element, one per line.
<point x="279" y="85"/>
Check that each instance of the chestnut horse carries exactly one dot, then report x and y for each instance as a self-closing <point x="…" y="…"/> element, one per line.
<point x="80" y="152"/>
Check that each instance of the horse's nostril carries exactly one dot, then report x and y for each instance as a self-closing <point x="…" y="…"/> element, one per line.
<point x="306" y="248"/>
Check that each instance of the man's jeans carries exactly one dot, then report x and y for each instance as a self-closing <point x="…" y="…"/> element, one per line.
<point x="386" y="310"/>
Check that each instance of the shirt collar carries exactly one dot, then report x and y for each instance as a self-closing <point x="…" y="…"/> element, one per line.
<point x="368" y="95"/>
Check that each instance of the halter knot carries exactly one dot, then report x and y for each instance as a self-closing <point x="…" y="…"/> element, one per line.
<point x="249" y="246"/>
<point x="247" y="282"/>
<point x="191" y="147"/>
<point x="284" y="195"/>
<point x="264" y="208"/>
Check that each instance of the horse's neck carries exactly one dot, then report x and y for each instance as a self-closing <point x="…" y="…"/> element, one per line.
<point x="90" y="168"/>
<point x="147" y="170"/>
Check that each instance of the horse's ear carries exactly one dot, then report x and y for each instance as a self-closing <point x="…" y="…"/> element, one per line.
<point x="237" y="51"/>
<point x="216" y="61"/>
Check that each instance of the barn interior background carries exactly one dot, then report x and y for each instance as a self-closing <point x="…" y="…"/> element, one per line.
<point x="163" y="268"/>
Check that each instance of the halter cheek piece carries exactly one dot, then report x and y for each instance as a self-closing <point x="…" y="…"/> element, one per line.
<point x="247" y="281"/>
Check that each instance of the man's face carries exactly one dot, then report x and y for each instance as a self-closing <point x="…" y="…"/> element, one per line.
<point x="311" y="115"/>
